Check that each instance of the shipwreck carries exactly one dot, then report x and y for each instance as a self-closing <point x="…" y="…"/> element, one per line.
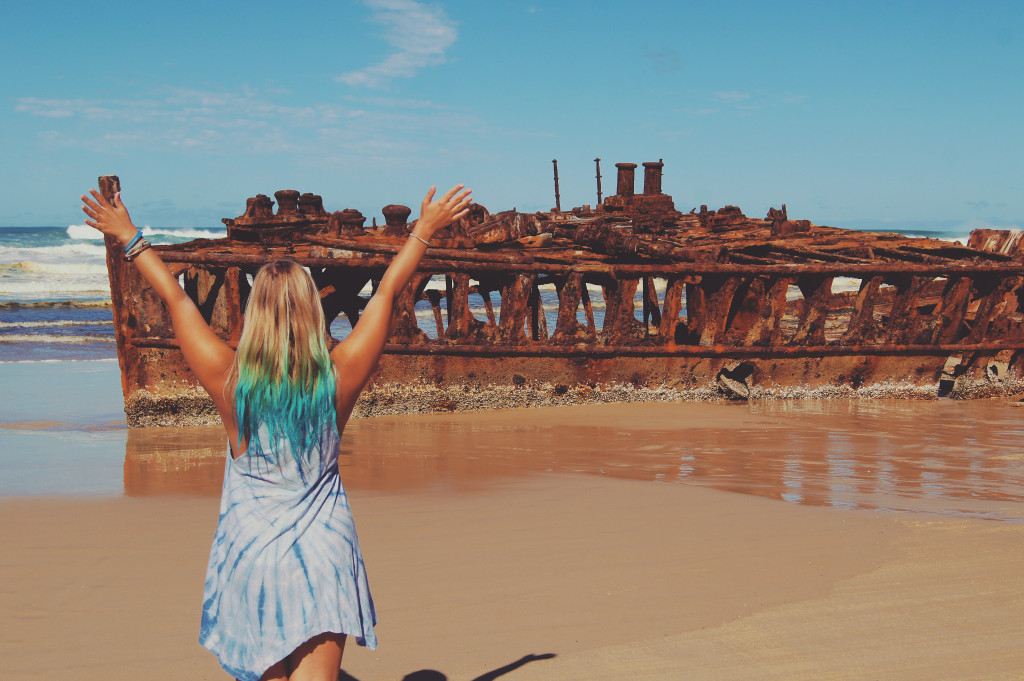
<point x="629" y="299"/>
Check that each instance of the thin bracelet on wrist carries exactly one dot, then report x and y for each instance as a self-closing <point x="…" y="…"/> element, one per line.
<point x="134" y="240"/>
<point x="420" y="239"/>
<point x="139" y="246"/>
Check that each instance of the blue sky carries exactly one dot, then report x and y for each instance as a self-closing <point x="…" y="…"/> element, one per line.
<point x="862" y="114"/>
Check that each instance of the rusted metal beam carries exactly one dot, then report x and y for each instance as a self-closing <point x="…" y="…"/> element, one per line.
<point x="551" y="350"/>
<point x="438" y="264"/>
<point x="706" y="351"/>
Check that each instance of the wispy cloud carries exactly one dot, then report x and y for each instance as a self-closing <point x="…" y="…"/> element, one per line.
<point x="236" y="123"/>
<point x="419" y="34"/>
<point x="176" y="118"/>
<point x="731" y="96"/>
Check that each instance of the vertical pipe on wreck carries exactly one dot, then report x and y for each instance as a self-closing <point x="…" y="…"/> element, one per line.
<point x="558" y="198"/>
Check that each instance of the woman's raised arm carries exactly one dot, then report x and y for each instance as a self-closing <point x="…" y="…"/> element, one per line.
<point x="207" y="355"/>
<point x="356" y="357"/>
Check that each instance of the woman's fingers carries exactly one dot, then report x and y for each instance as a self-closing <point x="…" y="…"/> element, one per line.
<point x="457" y="201"/>
<point x="452" y="192"/>
<point x="102" y="200"/>
<point x="89" y="203"/>
<point x="429" y="198"/>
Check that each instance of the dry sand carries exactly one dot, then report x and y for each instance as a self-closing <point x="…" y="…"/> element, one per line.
<point x="617" y="579"/>
<point x="613" y="578"/>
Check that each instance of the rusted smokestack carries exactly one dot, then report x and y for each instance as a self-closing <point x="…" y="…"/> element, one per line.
<point x="312" y="205"/>
<point x="652" y="177"/>
<point x="627" y="179"/>
<point x="109" y="185"/>
<point x="395" y="218"/>
<point x="287" y="201"/>
<point x="259" y="206"/>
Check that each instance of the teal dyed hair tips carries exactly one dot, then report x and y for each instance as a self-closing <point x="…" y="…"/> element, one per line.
<point x="283" y="378"/>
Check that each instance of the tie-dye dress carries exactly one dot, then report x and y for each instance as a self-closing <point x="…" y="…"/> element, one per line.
<point x="285" y="564"/>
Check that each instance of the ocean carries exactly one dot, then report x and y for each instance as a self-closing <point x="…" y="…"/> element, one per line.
<point x="54" y="292"/>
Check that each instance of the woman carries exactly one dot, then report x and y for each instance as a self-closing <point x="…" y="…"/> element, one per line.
<point x="285" y="584"/>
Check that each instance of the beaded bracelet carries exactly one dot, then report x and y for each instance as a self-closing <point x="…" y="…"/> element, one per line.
<point x="139" y="246"/>
<point x="128" y="246"/>
<point x="420" y="239"/>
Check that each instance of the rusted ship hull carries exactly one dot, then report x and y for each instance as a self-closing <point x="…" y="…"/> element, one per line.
<point x="631" y="300"/>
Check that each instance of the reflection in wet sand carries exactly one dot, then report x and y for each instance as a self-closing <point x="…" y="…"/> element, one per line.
<point x="961" y="458"/>
<point x="174" y="461"/>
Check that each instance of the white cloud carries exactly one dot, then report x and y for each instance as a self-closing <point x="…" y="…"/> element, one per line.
<point x="420" y="35"/>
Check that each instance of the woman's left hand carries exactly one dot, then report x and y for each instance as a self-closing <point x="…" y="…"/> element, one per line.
<point x="438" y="213"/>
<point x="111" y="218"/>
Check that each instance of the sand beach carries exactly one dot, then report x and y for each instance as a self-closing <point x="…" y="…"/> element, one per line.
<point x="658" y="541"/>
<point x="615" y="578"/>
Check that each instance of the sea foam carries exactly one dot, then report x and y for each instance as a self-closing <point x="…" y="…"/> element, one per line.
<point x="85" y="232"/>
<point x="54" y="323"/>
<point x="72" y="253"/>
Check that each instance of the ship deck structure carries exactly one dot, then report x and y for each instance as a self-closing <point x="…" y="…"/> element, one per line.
<point x="629" y="299"/>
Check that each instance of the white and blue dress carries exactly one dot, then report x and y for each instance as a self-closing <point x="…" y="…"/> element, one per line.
<point x="285" y="564"/>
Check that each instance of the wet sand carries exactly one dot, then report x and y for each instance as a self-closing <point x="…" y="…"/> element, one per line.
<point x="592" y="534"/>
<point x="943" y="457"/>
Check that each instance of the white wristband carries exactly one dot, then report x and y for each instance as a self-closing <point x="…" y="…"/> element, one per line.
<point x="420" y="239"/>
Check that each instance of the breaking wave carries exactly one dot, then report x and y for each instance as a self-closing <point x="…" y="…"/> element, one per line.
<point x="52" y="338"/>
<point x="85" y="232"/>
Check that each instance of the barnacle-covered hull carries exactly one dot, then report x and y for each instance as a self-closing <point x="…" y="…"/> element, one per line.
<point x="631" y="300"/>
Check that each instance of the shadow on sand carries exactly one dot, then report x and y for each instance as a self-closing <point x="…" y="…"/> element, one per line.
<point x="434" y="675"/>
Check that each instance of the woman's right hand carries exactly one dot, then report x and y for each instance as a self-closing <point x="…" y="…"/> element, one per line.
<point x="110" y="218"/>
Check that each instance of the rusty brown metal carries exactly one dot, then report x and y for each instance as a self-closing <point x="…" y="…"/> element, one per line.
<point x="558" y="196"/>
<point x="631" y="292"/>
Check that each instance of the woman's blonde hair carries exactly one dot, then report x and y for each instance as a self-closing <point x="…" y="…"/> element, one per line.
<point x="282" y="376"/>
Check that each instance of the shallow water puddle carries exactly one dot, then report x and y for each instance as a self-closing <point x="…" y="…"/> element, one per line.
<point x="958" y="458"/>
